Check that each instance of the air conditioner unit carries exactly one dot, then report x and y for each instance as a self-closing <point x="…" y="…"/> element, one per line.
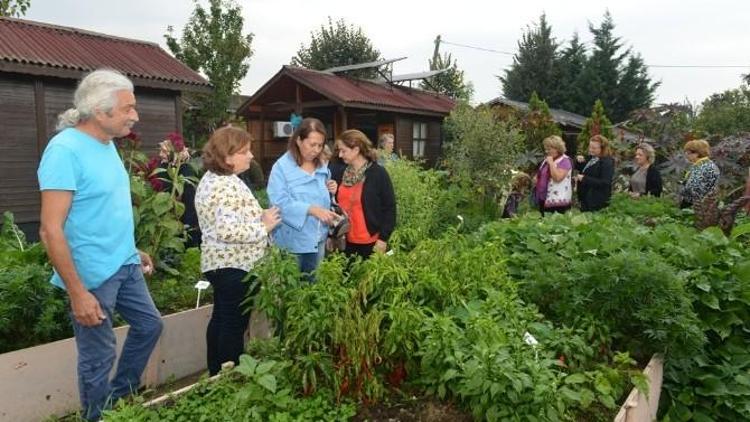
<point x="282" y="129"/>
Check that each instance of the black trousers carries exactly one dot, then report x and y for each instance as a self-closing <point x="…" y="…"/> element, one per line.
<point x="554" y="210"/>
<point x="358" y="249"/>
<point x="226" y="329"/>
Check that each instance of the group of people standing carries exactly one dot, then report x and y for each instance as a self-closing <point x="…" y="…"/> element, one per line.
<point x="87" y="224"/>
<point x="555" y="181"/>
<point x="302" y="187"/>
<point x="87" y="228"/>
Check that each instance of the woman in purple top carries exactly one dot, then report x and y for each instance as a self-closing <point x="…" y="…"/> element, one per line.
<point x="554" y="190"/>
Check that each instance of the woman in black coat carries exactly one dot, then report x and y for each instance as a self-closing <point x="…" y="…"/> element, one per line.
<point x="646" y="180"/>
<point x="595" y="177"/>
<point x="365" y="193"/>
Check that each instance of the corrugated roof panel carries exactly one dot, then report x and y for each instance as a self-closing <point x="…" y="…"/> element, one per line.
<point x="349" y="90"/>
<point x="53" y="46"/>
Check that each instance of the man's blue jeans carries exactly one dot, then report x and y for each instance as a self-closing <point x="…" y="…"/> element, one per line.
<point x="126" y="293"/>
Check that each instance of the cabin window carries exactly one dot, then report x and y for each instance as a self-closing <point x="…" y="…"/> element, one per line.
<point x="419" y="139"/>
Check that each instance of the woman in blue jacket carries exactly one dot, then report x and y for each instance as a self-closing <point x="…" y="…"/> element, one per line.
<point x="300" y="186"/>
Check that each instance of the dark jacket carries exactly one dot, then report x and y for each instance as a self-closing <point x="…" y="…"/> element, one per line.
<point x="595" y="190"/>
<point x="378" y="200"/>
<point x="653" y="182"/>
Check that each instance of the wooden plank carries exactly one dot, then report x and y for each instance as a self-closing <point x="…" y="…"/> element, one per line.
<point x="41" y="117"/>
<point x="19" y="155"/>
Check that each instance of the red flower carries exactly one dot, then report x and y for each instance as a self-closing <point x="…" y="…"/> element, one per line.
<point x="177" y="141"/>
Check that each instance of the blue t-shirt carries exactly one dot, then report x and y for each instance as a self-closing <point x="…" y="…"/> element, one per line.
<point x="99" y="228"/>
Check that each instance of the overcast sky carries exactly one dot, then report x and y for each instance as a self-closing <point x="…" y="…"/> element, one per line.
<point x="667" y="32"/>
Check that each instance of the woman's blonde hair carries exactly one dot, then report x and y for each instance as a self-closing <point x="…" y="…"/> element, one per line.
<point x="648" y="150"/>
<point x="555" y="142"/>
<point x="698" y="146"/>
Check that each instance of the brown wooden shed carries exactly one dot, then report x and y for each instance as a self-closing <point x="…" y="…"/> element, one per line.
<point x="40" y="65"/>
<point x="413" y="116"/>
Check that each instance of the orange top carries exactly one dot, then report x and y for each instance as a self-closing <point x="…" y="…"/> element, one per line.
<point x="350" y="200"/>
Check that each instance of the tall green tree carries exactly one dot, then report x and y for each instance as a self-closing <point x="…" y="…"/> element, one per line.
<point x="597" y="124"/>
<point x="14" y="8"/>
<point x="338" y="44"/>
<point x="615" y="76"/>
<point x="451" y="82"/>
<point x="538" y="124"/>
<point x="534" y="67"/>
<point x="570" y="94"/>
<point x="573" y="78"/>
<point x="214" y="44"/>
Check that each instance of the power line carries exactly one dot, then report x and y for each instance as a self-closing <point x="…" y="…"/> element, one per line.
<point x="699" y="66"/>
<point x="489" y="50"/>
<point x="709" y="66"/>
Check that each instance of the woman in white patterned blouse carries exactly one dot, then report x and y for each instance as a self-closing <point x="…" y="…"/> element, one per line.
<point x="235" y="230"/>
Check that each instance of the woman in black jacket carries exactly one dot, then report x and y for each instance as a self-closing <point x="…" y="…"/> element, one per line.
<point x="596" y="173"/>
<point x="365" y="193"/>
<point x="646" y="180"/>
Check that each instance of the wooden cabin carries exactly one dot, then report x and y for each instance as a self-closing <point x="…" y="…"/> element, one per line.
<point x="40" y="65"/>
<point x="413" y="116"/>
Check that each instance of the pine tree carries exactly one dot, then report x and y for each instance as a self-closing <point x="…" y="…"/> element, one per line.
<point x="597" y="124"/>
<point x="634" y="89"/>
<point x="621" y="86"/>
<point x="338" y="45"/>
<point x="538" y="124"/>
<point x="451" y="82"/>
<point x="534" y="66"/>
<point x="570" y="95"/>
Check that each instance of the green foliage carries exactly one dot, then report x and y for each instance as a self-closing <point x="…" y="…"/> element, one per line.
<point x="596" y="124"/>
<point x="481" y="151"/>
<point x="588" y="258"/>
<point x="157" y="214"/>
<point x="425" y="202"/>
<point x="254" y="390"/>
<point x="14" y="8"/>
<point x="31" y="309"/>
<point x="726" y="113"/>
<point x="570" y="94"/>
<point x="338" y="44"/>
<point x="213" y="43"/>
<point x="537" y="124"/>
<point x="174" y="291"/>
<point x="451" y="82"/>
<point x="534" y="67"/>
<point x="619" y="79"/>
<point x="572" y="80"/>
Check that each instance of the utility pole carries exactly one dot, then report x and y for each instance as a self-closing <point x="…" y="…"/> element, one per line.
<point x="436" y="53"/>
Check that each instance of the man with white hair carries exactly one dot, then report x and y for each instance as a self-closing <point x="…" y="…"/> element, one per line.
<point x="88" y="231"/>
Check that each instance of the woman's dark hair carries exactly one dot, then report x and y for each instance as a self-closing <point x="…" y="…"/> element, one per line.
<point x="223" y="143"/>
<point x="354" y="138"/>
<point x="308" y="126"/>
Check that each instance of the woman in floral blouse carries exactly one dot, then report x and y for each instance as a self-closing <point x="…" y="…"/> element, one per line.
<point x="235" y="231"/>
<point x="703" y="176"/>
